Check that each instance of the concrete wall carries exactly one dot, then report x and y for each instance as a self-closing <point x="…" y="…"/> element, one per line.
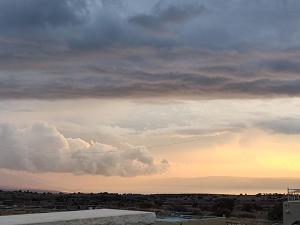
<point x="291" y="212"/>
<point x="86" y="217"/>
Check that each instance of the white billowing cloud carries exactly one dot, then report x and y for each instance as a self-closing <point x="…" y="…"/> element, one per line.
<point x="42" y="148"/>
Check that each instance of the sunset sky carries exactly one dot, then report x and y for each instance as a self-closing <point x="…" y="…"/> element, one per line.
<point x="150" y="96"/>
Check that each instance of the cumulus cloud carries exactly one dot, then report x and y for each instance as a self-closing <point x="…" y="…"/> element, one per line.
<point x="42" y="148"/>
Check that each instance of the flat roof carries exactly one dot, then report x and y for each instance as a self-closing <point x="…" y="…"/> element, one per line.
<point x="101" y="216"/>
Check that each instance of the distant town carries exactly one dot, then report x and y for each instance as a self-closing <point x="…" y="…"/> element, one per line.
<point x="262" y="207"/>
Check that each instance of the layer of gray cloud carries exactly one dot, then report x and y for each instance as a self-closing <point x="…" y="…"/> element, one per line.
<point x="290" y="126"/>
<point x="100" y="49"/>
<point x="42" y="148"/>
<point x="126" y="75"/>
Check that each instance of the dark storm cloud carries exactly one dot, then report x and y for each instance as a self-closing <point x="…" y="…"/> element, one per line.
<point x="19" y="16"/>
<point x="87" y="48"/>
<point x="281" y="66"/>
<point x="162" y="17"/>
<point x="259" y="24"/>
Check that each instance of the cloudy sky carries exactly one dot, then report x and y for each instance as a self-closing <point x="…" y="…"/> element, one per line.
<point x="113" y="95"/>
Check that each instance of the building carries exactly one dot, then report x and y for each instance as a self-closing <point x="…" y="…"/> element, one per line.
<point x="291" y="208"/>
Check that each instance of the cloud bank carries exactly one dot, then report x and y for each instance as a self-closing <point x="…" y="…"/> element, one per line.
<point x="42" y="148"/>
<point x="144" y="73"/>
<point x="105" y="49"/>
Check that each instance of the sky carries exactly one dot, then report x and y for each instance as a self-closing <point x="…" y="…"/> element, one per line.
<point x="150" y="96"/>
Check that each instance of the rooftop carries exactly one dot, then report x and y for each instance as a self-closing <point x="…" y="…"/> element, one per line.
<point x="99" y="216"/>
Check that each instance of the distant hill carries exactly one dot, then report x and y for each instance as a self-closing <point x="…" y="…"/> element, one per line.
<point x="7" y="188"/>
<point x="212" y="184"/>
<point x="11" y="181"/>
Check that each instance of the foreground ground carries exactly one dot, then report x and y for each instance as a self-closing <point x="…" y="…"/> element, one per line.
<point x="265" y="207"/>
